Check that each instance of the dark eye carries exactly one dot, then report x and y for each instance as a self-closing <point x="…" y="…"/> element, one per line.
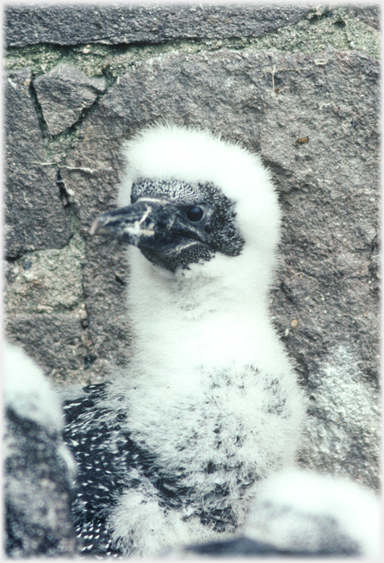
<point x="194" y="214"/>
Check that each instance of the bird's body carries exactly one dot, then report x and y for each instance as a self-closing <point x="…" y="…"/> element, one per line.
<point x="187" y="452"/>
<point x="209" y="403"/>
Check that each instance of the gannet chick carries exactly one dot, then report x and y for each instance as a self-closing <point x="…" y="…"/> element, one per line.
<point x="172" y="449"/>
<point x="38" y="467"/>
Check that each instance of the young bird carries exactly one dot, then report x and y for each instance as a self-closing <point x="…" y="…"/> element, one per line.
<point x="38" y="468"/>
<point x="171" y="451"/>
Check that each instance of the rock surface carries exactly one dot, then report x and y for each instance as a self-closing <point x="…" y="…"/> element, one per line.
<point x="314" y="119"/>
<point x="35" y="217"/>
<point x="369" y="15"/>
<point x="55" y="341"/>
<point x="73" y="25"/>
<point x="64" y="93"/>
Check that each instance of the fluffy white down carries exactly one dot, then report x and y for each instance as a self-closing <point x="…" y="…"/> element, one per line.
<point x="285" y="503"/>
<point x="152" y="529"/>
<point x="28" y="392"/>
<point x="205" y="354"/>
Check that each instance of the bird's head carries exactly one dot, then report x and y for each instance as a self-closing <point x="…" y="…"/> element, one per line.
<point x="174" y="223"/>
<point x="190" y="197"/>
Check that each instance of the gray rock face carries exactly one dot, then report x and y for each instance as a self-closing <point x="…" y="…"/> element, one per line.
<point x="35" y="217"/>
<point x="54" y="340"/>
<point x="369" y="15"/>
<point x="73" y="25"/>
<point x="64" y="93"/>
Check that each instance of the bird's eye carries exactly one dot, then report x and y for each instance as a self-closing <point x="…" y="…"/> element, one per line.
<point x="194" y="214"/>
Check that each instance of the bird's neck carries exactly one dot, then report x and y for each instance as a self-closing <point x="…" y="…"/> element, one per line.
<point x="212" y="313"/>
<point x="223" y="286"/>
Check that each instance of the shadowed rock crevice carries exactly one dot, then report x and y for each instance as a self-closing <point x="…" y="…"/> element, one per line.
<point x="64" y="196"/>
<point x="39" y="111"/>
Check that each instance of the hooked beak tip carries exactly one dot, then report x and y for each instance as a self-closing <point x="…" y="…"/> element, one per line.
<point x="95" y="227"/>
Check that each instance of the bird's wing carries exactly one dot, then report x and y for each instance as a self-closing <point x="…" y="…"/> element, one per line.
<point x="100" y="477"/>
<point x="109" y="462"/>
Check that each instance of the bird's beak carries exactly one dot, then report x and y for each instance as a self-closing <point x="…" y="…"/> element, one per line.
<point x="149" y="223"/>
<point x="129" y="224"/>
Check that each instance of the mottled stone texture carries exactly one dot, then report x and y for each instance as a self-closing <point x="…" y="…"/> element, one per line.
<point x="314" y="119"/>
<point x="63" y="94"/>
<point x="35" y="217"/>
<point x="73" y="25"/>
<point x="368" y="14"/>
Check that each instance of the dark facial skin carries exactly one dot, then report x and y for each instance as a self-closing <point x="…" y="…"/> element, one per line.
<point x="173" y="223"/>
